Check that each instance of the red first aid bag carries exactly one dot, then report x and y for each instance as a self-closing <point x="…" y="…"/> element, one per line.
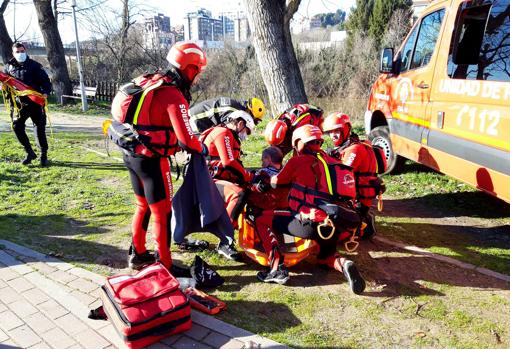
<point x="147" y="306"/>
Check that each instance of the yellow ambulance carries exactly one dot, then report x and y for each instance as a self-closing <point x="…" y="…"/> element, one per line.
<point x="443" y="99"/>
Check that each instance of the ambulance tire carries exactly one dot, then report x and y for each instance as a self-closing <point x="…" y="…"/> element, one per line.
<point x="381" y="136"/>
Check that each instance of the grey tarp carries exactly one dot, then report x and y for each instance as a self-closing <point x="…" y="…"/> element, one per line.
<point x="197" y="206"/>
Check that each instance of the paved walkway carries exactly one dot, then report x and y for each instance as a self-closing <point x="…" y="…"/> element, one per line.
<point x="62" y="122"/>
<point x="44" y="303"/>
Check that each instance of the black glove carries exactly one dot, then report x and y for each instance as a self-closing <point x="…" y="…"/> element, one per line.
<point x="378" y="185"/>
<point x="262" y="187"/>
<point x="204" y="151"/>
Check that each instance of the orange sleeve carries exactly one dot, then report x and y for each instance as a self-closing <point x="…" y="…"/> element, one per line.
<point x="351" y="156"/>
<point x="224" y="143"/>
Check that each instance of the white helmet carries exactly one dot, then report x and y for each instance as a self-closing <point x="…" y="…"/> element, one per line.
<point x="248" y="119"/>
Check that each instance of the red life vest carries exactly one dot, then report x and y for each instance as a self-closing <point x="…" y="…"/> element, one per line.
<point x="131" y="105"/>
<point x="334" y="183"/>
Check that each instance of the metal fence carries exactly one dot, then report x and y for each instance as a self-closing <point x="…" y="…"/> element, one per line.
<point x="105" y="89"/>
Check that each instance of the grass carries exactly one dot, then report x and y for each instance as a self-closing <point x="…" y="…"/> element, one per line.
<point x="448" y="217"/>
<point x="95" y="108"/>
<point x="80" y="209"/>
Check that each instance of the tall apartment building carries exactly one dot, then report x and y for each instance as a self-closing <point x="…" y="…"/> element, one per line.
<point x="200" y="25"/>
<point x="241" y="28"/>
<point x="157" y="32"/>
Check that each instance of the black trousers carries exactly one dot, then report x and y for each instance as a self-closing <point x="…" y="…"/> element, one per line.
<point x="36" y="113"/>
<point x="342" y="217"/>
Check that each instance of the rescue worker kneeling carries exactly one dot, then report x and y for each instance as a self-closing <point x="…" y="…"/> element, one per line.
<point x="225" y="166"/>
<point x="320" y="209"/>
<point x="366" y="161"/>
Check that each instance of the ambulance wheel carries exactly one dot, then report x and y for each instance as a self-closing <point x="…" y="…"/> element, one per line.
<point x="381" y="136"/>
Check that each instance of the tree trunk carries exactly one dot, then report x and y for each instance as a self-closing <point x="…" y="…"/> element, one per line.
<point x="5" y="39"/>
<point x="54" y="47"/>
<point x="126" y="24"/>
<point x="269" y="22"/>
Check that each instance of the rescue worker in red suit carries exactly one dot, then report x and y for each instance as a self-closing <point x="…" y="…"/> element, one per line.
<point x="150" y="171"/>
<point x="320" y="208"/>
<point x="262" y="196"/>
<point x="361" y="157"/>
<point x="225" y="166"/>
<point x="279" y="130"/>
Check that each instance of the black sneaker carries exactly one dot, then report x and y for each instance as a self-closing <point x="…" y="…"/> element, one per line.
<point x="138" y="261"/>
<point x="44" y="160"/>
<point x="193" y="245"/>
<point x="280" y="276"/>
<point x="229" y="252"/>
<point x="28" y="159"/>
<point x="352" y="275"/>
<point x="370" y="230"/>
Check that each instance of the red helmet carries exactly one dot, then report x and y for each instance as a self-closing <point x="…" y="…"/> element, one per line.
<point x="275" y="132"/>
<point x="188" y="58"/>
<point x="306" y="133"/>
<point x="337" y="122"/>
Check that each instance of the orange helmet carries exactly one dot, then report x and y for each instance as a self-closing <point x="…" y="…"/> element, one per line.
<point x="306" y="133"/>
<point x="275" y="132"/>
<point x="340" y="122"/>
<point x="188" y="58"/>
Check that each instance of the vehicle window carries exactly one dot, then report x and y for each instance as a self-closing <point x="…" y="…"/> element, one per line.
<point x="407" y="50"/>
<point x="429" y="31"/>
<point x="480" y="47"/>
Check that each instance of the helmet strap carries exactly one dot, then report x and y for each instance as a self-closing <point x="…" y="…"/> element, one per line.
<point x="180" y="82"/>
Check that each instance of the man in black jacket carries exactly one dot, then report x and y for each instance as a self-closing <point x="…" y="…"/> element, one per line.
<point x="32" y="74"/>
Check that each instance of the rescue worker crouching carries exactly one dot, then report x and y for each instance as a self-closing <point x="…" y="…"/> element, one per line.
<point x="319" y="200"/>
<point x="164" y="111"/>
<point x="226" y="168"/>
<point x="215" y="111"/>
<point x="365" y="162"/>
<point x="279" y="131"/>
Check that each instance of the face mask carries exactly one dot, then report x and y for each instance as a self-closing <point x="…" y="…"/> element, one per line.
<point x="20" y="56"/>
<point x="243" y="136"/>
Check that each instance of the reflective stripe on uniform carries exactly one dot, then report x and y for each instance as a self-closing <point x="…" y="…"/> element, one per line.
<point x="326" y="171"/>
<point x="140" y="102"/>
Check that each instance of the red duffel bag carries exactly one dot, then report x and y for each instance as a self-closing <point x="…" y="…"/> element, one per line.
<point x="147" y="306"/>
